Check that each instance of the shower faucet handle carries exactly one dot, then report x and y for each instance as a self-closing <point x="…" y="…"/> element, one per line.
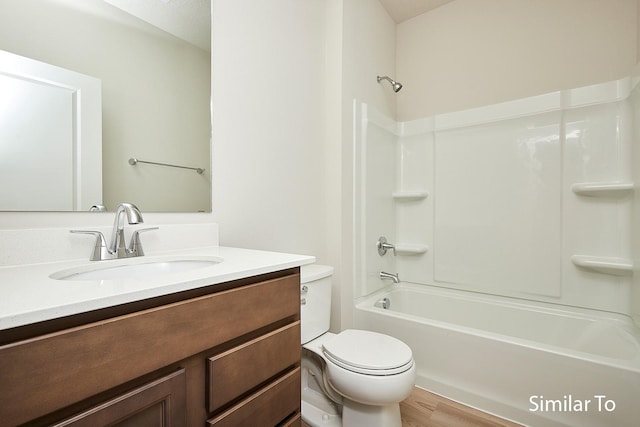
<point x="383" y="246"/>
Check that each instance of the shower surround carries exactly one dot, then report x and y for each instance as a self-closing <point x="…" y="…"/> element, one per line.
<point x="531" y="202"/>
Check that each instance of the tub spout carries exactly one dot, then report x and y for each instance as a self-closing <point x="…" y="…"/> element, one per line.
<point x="383" y="303"/>
<point x="391" y="276"/>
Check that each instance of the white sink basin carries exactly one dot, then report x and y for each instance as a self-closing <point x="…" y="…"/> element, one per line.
<point x="135" y="268"/>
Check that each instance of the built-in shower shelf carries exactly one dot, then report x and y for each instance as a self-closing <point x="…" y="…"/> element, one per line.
<point x="410" y="195"/>
<point x="411" y="249"/>
<point x="595" y="189"/>
<point x="605" y="265"/>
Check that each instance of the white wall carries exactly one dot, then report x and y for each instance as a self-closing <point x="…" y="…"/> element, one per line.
<point x="337" y="189"/>
<point x="284" y="78"/>
<point x="270" y="160"/>
<point x="470" y="53"/>
<point x="369" y="43"/>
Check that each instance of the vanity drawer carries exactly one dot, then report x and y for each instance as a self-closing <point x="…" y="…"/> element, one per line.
<point x="294" y="421"/>
<point x="248" y="365"/>
<point x="267" y="407"/>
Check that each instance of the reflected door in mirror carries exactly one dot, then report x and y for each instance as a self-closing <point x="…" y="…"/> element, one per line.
<point x="50" y="125"/>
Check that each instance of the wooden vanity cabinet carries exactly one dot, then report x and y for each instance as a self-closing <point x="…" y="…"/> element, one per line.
<point x="224" y="355"/>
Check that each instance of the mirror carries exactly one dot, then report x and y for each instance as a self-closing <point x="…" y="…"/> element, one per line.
<point x="155" y="97"/>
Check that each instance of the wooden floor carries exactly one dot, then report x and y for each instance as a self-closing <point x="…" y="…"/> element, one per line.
<point x="424" y="409"/>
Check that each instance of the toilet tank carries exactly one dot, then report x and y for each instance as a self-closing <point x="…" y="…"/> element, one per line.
<point x="315" y="300"/>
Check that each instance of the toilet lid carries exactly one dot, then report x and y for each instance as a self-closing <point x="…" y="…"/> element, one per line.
<point x="368" y="352"/>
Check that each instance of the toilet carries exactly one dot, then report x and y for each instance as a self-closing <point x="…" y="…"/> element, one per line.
<point x="354" y="378"/>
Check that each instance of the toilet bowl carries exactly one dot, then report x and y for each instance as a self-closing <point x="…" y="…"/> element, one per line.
<point x="354" y="378"/>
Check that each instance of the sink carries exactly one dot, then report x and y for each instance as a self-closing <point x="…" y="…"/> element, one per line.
<point x="135" y="268"/>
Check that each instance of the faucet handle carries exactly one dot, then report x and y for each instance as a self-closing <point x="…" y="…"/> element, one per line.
<point x="100" y="249"/>
<point x="135" y="245"/>
<point x="383" y="246"/>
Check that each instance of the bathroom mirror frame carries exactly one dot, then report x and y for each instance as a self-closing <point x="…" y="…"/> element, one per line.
<point x="153" y="188"/>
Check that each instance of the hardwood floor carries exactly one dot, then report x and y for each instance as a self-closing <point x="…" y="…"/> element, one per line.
<point x="425" y="409"/>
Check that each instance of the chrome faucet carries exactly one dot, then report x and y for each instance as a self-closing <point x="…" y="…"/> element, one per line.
<point x="134" y="216"/>
<point x="117" y="248"/>
<point x="391" y="276"/>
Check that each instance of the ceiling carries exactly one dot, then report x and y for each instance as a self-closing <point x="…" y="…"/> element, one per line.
<point x="189" y="20"/>
<point x="401" y="10"/>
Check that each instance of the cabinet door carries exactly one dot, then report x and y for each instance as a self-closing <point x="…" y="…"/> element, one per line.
<point x="161" y="403"/>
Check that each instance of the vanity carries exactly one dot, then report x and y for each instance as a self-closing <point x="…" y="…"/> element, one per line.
<point x="217" y="345"/>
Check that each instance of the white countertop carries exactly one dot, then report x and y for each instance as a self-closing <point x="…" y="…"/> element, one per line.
<point x="28" y="295"/>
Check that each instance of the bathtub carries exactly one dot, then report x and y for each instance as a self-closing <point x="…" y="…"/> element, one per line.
<point x="533" y="363"/>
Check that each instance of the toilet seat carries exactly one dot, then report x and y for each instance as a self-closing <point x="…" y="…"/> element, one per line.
<point x="368" y="353"/>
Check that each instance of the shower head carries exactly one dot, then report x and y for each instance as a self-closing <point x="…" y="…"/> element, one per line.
<point x="394" y="84"/>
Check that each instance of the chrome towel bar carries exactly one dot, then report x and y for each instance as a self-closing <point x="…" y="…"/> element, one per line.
<point x="133" y="161"/>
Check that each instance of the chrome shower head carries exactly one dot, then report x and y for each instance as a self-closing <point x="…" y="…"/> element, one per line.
<point x="394" y="84"/>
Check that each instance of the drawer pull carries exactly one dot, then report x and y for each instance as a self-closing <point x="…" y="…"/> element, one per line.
<point x="303" y="301"/>
<point x="304" y="289"/>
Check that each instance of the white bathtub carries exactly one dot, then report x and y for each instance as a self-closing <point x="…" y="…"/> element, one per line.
<point x="536" y="364"/>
